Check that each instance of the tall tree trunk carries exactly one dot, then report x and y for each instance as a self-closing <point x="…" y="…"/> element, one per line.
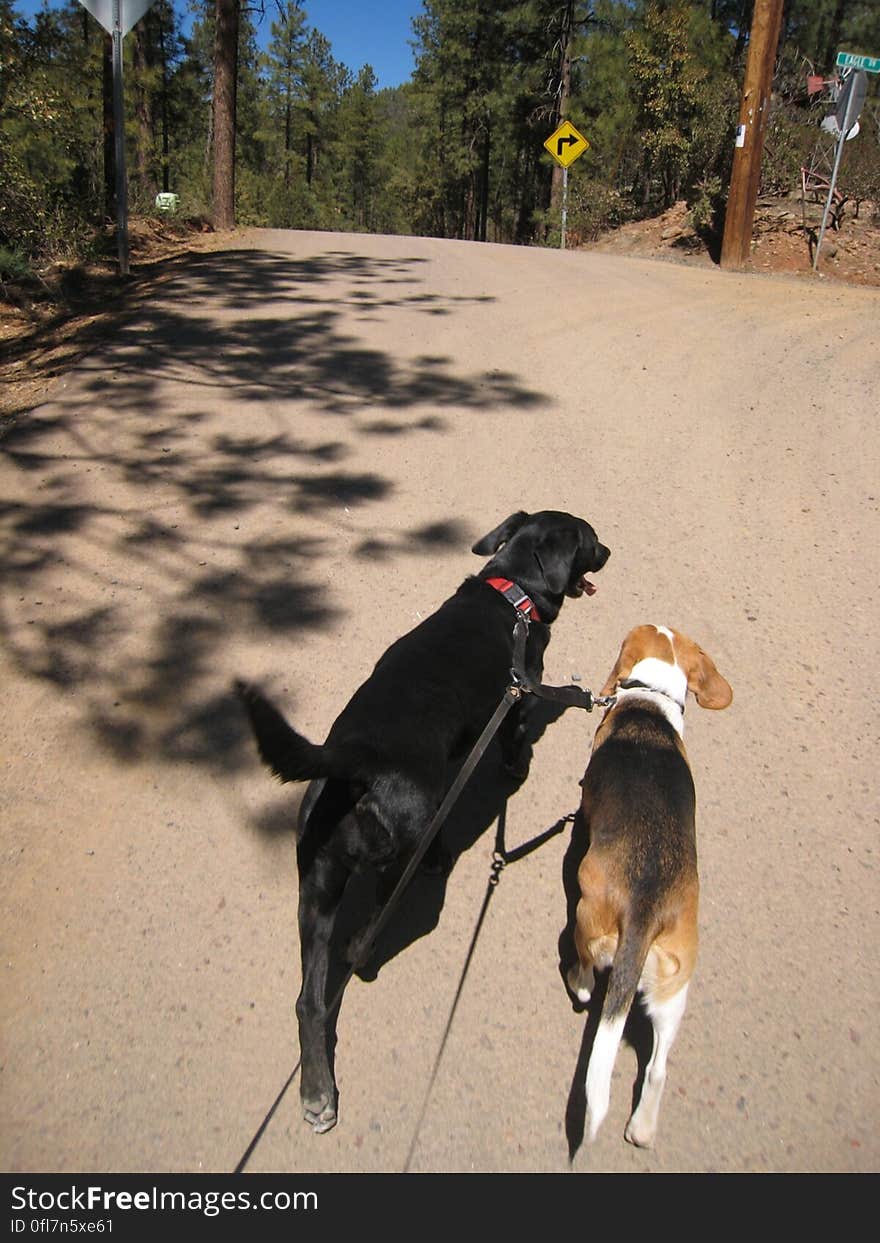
<point x="288" y="131"/>
<point x="143" y="178"/>
<point x="563" y="94"/>
<point x="525" y="203"/>
<point x="225" y="74"/>
<point x="484" y="188"/>
<point x="744" y="24"/>
<point x="832" y="46"/>
<point x="163" y="53"/>
<point x="109" y="123"/>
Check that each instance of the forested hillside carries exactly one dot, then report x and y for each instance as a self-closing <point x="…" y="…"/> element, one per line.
<point x="455" y="152"/>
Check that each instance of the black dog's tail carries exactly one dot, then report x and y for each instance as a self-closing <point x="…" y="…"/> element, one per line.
<point x="290" y="756"/>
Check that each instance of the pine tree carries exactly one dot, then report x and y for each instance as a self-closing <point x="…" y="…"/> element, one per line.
<point x="462" y="69"/>
<point x="358" y="143"/>
<point x="671" y="82"/>
<point x="253" y="168"/>
<point x="51" y="133"/>
<point x="284" y="69"/>
<point x="323" y="81"/>
<point x="226" y="18"/>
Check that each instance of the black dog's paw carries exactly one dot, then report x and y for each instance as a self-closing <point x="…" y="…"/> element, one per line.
<point x="320" y="1113"/>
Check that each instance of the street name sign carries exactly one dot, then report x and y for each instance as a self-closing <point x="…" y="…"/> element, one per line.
<point x="849" y="60"/>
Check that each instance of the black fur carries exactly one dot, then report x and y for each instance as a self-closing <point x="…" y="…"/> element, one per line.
<point x="380" y="775"/>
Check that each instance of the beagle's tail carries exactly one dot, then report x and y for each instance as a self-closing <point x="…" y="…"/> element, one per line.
<point x="290" y="756"/>
<point x="626" y="972"/>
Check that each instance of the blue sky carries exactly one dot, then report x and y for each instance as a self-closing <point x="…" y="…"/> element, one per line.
<point x="374" y="32"/>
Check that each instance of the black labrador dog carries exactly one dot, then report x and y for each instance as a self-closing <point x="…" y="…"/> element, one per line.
<point x="381" y="774"/>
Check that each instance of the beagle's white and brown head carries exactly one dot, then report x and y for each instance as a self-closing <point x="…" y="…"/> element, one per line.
<point x="659" y="664"/>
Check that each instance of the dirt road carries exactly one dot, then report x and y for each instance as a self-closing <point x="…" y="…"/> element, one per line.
<point x="275" y="467"/>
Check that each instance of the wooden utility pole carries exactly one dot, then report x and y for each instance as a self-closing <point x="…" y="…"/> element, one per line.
<point x="754" y="108"/>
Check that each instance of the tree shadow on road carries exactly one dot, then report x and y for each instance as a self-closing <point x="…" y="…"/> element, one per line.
<point x="125" y="551"/>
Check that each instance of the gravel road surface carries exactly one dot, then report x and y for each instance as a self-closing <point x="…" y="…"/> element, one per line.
<point x="274" y="466"/>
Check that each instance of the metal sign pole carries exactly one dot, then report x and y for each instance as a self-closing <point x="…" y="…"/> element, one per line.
<point x="840" y="141"/>
<point x="117" y="17"/>
<point x="119" y="142"/>
<point x="566" y="145"/>
<point x="855" y="95"/>
<point x="564" y="205"/>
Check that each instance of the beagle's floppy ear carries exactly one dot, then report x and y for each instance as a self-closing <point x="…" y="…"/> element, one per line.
<point x="710" y="689"/>
<point x="632" y="650"/>
<point x="489" y="544"/>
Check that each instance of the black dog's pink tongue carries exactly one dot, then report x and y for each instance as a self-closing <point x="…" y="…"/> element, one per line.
<point x="589" y="588"/>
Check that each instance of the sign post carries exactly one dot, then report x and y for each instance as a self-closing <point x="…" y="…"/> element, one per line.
<point x="849" y="105"/>
<point x="566" y="145"/>
<point x="117" y="17"/>
<point x="119" y="142"/>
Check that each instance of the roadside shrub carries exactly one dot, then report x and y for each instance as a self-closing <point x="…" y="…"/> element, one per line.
<point x="788" y="145"/>
<point x="706" y="203"/>
<point x="593" y="209"/>
<point x="14" y="265"/>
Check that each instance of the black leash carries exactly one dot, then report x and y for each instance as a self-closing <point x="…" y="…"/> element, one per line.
<point x="569" y="696"/>
<point x="365" y="946"/>
<point x="499" y="862"/>
<point x="368" y="940"/>
<point x="261" y="1129"/>
<point x="501" y="857"/>
<point x="521" y="683"/>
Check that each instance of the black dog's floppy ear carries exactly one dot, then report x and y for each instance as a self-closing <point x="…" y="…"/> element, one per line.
<point x="555" y="555"/>
<point x="490" y="543"/>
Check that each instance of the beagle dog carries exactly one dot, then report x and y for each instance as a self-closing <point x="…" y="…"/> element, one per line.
<point x="638" y="880"/>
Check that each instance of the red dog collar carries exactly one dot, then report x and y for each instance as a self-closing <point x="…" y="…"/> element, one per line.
<point x="516" y="596"/>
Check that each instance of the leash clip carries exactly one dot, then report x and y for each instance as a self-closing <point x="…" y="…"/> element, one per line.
<point x="499" y="863"/>
<point x="519" y="679"/>
<point x="522" y="684"/>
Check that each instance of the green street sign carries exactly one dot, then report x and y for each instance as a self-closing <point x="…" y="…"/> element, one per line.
<point x="848" y="60"/>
